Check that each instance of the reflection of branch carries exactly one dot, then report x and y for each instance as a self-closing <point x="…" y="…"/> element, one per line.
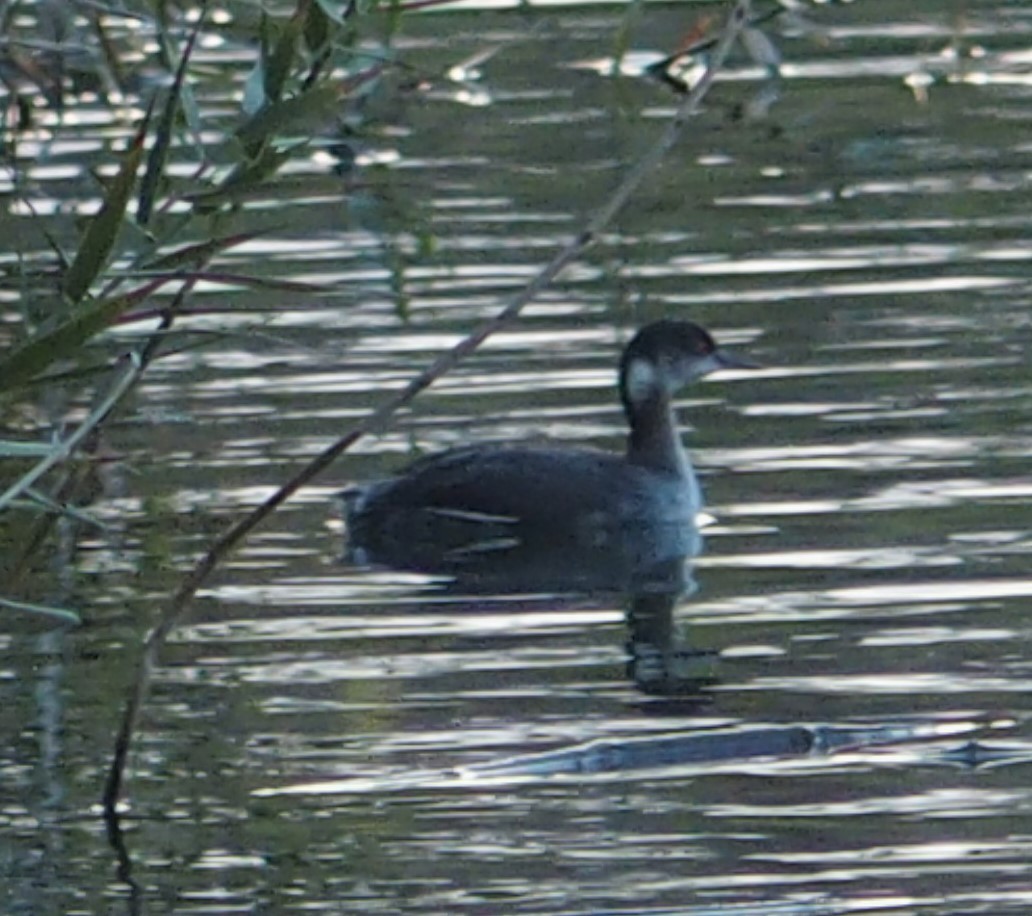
<point x="230" y="539"/>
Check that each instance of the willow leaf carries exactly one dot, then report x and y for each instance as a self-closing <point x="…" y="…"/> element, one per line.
<point x="198" y="254"/>
<point x="66" y="338"/>
<point x="246" y="177"/>
<point x="277" y="65"/>
<point x="102" y="230"/>
<point x="302" y="113"/>
<point x="56" y="613"/>
<point x="158" y="155"/>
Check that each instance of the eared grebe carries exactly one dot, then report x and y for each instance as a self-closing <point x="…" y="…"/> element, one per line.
<point x="489" y="499"/>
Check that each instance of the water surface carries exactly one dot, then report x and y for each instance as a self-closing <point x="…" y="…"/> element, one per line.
<point x="314" y="734"/>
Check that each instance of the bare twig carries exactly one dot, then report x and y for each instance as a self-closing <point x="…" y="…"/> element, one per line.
<point x="232" y="537"/>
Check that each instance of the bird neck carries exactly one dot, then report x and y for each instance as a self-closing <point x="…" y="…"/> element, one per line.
<point x="654" y="441"/>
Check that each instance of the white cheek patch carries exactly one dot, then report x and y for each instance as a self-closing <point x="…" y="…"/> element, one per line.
<point x="642" y="380"/>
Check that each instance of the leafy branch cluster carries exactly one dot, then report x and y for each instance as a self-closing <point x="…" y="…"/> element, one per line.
<point x="151" y="237"/>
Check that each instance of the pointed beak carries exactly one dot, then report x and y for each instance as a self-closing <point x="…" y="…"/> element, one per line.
<point x="728" y="360"/>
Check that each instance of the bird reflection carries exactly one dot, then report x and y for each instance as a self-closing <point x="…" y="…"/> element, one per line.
<point x="646" y="568"/>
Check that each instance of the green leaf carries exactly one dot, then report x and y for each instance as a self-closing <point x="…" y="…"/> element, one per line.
<point x="102" y="231"/>
<point x="317" y="28"/>
<point x="10" y="448"/>
<point x="192" y="114"/>
<point x="65" y="339"/>
<point x="59" y="613"/>
<point x="301" y="114"/>
<point x="278" y="64"/>
<point x="245" y="177"/>
<point x="254" y="89"/>
<point x="158" y="155"/>
<point x="334" y="10"/>
<point x="199" y="253"/>
<point x="255" y="282"/>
